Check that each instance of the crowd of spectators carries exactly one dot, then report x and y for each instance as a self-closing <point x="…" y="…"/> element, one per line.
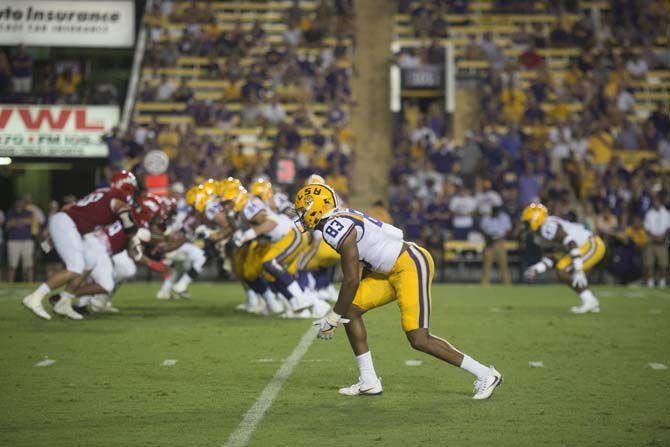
<point x="575" y="142"/>
<point x="272" y="87"/>
<point x="27" y="80"/>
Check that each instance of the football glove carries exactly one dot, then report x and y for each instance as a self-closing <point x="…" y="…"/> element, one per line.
<point x="238" y="238"/>
<point x="242" y="237"/>
<point x="328" y="325"/>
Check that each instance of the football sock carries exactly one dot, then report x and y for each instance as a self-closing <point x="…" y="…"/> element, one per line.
<point x="587" y="296"/>
<point x="184" y="281"/>
<point x="43" y="289"/>
<point x="271" y="299"/>
<point x="294" y="289"/>
<point x="474" y="367"/>
<point x="366" y="368"/>
<point x="259" y="285"/>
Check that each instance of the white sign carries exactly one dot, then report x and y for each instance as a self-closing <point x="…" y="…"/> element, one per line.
<point x="55" y="131"/>
<point x="55" y="23"/>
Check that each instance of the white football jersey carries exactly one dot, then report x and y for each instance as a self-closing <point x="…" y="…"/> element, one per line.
<point x="379" y="243"/>
<point x="575" y="232"/>
<point x="212" y="208"/>
<point x="255" y="205"/>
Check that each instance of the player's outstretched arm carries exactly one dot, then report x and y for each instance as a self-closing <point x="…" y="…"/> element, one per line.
<point x="350" y="274"/>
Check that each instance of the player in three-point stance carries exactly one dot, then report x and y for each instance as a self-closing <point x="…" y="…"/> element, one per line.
<point x="585" y="250"/>
<point x="67" y="229"/>
<point x="394" y="270"/>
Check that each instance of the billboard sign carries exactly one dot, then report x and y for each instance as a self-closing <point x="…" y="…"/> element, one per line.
<point x="55" y="131"/>
<point x="55" y="23"/>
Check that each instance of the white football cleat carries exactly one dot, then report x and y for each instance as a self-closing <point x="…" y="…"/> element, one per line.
<point x="163" y="295"/>
<point x="363" y="388"/>
<point x="300" y="302"/>
<point x="34" y="303"/>
<point x="584" y="308"/>
<point x="486" y="386"/>
<point x="64" y="307"/>
<point x="274" y="307"/>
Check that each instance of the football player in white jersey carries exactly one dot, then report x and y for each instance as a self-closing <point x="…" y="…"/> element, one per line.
<point x="179" y="250"/>
<point x="394" y="270"/>
<point x="584" y="249"/>
<point x="280" y="257"/>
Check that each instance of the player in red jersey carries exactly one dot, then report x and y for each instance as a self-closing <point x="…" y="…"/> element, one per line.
<point x="67" y="228"/>
<point x="102" y="247"/>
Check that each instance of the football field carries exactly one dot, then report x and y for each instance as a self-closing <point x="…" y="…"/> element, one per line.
<point x="185" y="373"/>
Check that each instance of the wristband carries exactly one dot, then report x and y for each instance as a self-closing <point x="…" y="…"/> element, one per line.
<point x="577" y="264"/>
<point x="575" y="252"/>
<point x="333" y="318"/>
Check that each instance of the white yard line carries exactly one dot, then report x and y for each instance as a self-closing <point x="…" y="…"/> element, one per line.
<point x="254" y="415"/>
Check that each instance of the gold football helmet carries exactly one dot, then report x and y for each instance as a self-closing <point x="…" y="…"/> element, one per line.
<point x="534" y="215"/>
<point x="230" y="181"/>
<point x="262" y="189"/>
<point x="237" y="195"/>
<point x="315" y="202"/>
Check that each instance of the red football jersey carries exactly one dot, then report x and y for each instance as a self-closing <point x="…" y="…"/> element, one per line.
<point x="117" y="239"/>
<point x="94" y="210"/>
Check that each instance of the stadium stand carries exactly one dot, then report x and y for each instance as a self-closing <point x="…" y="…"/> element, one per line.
<point x="573" y="109"/>
<point x="234" y="88"/>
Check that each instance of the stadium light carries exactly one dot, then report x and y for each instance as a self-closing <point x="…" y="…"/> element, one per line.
<point x="5" y="161"/>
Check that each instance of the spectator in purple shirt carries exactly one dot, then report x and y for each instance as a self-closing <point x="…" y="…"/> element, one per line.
<point x="529" y="186"/>
<point x="20" y="244"/>
<point x="22" y="63"/>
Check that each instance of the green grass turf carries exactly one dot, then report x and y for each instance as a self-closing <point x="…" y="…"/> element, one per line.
<point x="107" y="387"/>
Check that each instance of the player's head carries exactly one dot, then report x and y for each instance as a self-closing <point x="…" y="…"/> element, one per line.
<point x="197" y="197"/>
<point x="191" y="195"/>
<point x="210" y="186"/>
<point x="229" y="181"/>
<point x="315" y="178"/>
<point x="234" y="197"/>
<point x="262" y="189"/>
<point x="313" y="203"/>
<point x="534" y="216"/>
<point x="125" y="182"/>
<point x="168" y="207"/>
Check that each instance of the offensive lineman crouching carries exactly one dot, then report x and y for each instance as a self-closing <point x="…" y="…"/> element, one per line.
<point x="394" y="270"/>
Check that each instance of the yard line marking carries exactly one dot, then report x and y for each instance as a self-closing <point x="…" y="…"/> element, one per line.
<point x="169" y="362"/>
<point x="536" y="364"/>
<point x="240" y="437"/>
<point x="46" y="362"/>
<point x="263" y="360"/>
<point x="413" y="362"/>
<point x="657" y="366"/>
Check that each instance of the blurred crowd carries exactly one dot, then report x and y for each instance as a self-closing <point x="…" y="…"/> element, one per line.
<point x="599" y="162"/>
<point x="22" y="227"/>
<point x="267" y="85"/>
<point x="27" y="80"/>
